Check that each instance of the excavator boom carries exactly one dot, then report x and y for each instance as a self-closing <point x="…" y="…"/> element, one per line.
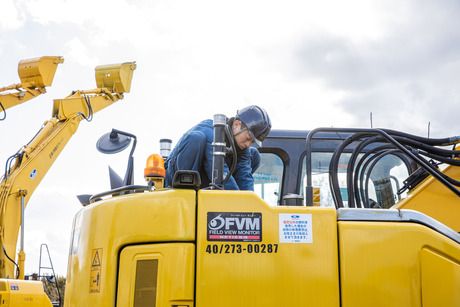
<point x="35" y="74"/>
<point x="29" y="165"/>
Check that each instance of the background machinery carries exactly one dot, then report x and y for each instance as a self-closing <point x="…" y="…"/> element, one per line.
<point x="35" y="74"/>
<point x="300" y="240"/>
<point x="25" y="169"/>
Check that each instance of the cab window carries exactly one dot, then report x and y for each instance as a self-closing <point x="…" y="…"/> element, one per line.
<point x="268" y="178"/>
<point x="380" y="189"/>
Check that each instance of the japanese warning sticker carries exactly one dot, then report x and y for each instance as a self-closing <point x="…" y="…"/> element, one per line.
<point x="95" y="275"/>
<point x="295" y="228"/>
<point x="234" y="226"/>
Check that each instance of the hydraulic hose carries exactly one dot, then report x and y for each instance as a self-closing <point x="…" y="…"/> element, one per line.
<point x="406" y="139"/>
<point x="413" y="148"/>
<point x="435" y="142"/>
<point x="334" y="166"/>
<point x="360" y="171"/>
<point x="442" y="159"/>
<point x="375" y="159"/>
<point x="3" y="111"/>
<point x="351" y="168"/>
<point x="231" y="140"/>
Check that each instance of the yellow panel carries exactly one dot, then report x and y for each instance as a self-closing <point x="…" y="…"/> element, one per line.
<point x="108" y="226"/>
<point x="174" y="282"/>
<point x="380" y="262"/>
<point x="440" y="280"/>
<point x="23" y="293"/>
<point x="434" y="199"/>
<point x="264" y="271"/>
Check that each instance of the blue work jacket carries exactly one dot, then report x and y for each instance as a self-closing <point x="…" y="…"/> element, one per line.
<point x="194" y="152"/>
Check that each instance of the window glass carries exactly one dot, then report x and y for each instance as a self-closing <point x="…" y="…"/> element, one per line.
<point x="146" y="283"/>
<point x="268" y="178"/>
<point x="379" y="188"/>
<point x="320" y="177"/>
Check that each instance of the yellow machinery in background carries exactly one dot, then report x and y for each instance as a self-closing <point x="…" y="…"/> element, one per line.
<point x="35" y="74"/>
<point x="26" y="168"/>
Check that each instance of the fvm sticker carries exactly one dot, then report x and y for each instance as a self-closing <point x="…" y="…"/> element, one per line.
<point x="235" y="226"/>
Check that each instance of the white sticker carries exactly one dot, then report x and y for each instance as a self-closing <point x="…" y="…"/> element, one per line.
<point x="295" y="228"/>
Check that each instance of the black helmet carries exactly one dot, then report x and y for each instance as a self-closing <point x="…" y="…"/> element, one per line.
<point x="256" y="120"/>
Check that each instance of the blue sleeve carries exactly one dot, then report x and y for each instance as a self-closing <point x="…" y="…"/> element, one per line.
<point x="243" y="173"/>
<point x="231" y="183"/>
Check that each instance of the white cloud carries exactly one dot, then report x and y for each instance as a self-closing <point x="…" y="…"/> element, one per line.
<point x="10" y="16"/>
<point x="79" y="53"/>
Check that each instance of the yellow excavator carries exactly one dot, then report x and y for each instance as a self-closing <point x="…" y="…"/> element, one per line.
<point x="35" y="74"/>
<point x="324" y="228"/>
<point x="339" y="218"/>
<point x="26" y="168"/>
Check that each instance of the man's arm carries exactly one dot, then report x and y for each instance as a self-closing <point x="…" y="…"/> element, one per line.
<point x="243" y="173"/>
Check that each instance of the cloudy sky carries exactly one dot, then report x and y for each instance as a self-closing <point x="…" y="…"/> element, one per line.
<point x="309" y="63"/>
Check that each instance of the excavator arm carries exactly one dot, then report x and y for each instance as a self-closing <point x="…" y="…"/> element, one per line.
<point x="26" y="168"/>
<point x="35" y="74"/>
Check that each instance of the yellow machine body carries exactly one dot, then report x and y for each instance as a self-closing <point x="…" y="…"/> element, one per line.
<point x="435" y="200"/>
<point x="124" y="231"/>
<point x="397" y="264"/>
<point x="229" y="248"/>
<point x="23" y="293"/>
<point x="265" y="271"/>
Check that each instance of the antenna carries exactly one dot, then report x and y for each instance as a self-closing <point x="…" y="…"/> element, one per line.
<point x="429" y="126"/>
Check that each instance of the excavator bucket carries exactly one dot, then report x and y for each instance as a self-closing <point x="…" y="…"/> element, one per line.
<point x="115" y="77"/>
<point x="38" y="72"/>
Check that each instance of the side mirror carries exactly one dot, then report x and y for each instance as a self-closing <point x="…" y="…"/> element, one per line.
<point x="114" y="142"/>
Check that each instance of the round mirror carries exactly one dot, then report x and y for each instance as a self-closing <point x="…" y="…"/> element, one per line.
<point x="112" y="142"/>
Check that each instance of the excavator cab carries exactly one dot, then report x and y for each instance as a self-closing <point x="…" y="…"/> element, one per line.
<point x="281" y="178"/>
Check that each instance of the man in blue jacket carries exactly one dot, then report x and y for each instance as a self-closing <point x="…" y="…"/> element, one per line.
<point x="194" y="149"/>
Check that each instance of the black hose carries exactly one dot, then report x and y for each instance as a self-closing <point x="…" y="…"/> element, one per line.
<point x="429" y="148"/>
<point x="442" y="159"/>
<point x="413" y="147"/>
<point x="9" y="162"/>
<point x="232" y="168"/>
<point x="430" y="141"/>
<point x="90" y="109"/>
<point x="351" y="168"/>
<point x="3" y="111"/>
<point x="18" y="271"/>
<point x="360" y="171"/>
<point x="375" y="159"/>
<point x="334" y="165"/>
